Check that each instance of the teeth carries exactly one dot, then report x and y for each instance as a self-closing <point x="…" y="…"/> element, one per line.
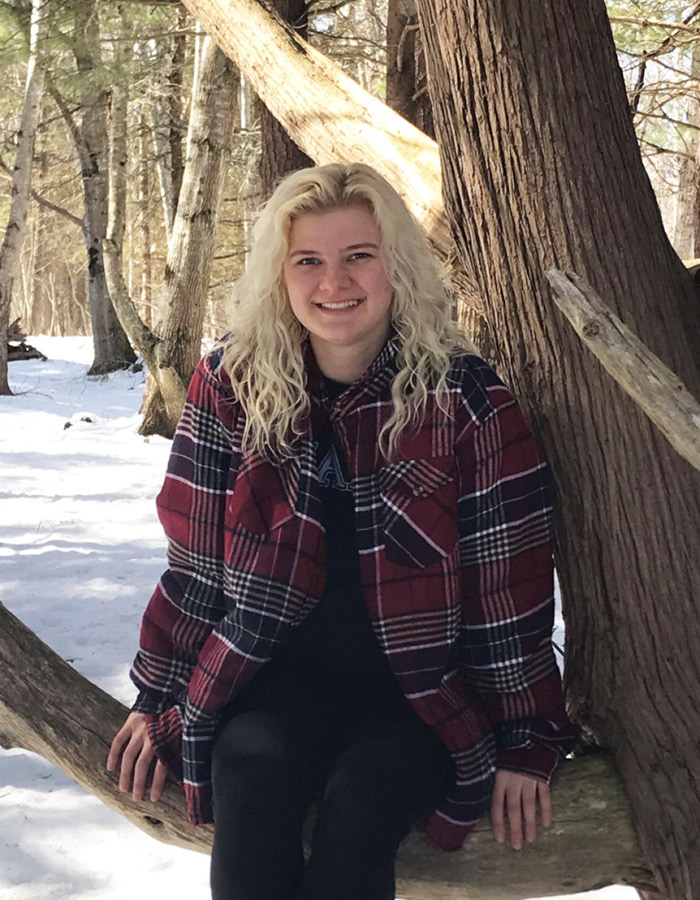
<point x="346" y="304"/>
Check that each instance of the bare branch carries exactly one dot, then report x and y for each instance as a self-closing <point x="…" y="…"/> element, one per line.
<point x="641" y="374"/>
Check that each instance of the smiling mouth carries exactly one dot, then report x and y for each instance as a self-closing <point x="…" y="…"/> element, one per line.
<point x="343" y="304"/>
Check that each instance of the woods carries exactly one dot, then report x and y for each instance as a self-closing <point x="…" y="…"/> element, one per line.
<point x="535" y="165"/>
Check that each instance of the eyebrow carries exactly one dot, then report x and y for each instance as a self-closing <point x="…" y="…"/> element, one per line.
<point x="349" y="247"/>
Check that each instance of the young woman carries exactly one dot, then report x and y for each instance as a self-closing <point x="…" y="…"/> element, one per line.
<point x="358" y="605"/>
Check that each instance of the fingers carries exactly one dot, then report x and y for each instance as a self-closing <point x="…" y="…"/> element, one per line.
<point x="140" y="764"/>
<point x="133" y="743"/>
<point x="515" y="800"/>
<point x="529" y="805"/>
<point x="120" y="738"/>
<point x="515" y="818"/>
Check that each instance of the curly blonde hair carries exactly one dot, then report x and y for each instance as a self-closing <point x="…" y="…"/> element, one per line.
<point x="263" y="351"/>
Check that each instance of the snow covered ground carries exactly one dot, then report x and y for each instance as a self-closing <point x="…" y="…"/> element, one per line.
<point x="80" y="552"/>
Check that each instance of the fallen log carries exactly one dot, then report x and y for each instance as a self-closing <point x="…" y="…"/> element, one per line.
<point x="50" y="709"/>
<point x="651" y="384"/>
<point x="17" y="346"/>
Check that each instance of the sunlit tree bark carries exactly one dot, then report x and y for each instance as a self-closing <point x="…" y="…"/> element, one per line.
<point x="21" y="178"/>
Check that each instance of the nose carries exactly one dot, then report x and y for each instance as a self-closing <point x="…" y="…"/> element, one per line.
<point x="335" y="275"/>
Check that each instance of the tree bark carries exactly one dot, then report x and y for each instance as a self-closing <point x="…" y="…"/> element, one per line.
<point x="651" y="384"/>
<point x="21" y="178"/>
<point x="48" y="708"/>
<point x="171" y="388"/>
<point x="401" y="30"/>
<point x="146" y="297"/>
<point x="112" y="349"/>
<point x="279" y="154"/>
<point x="541" y="170"/>
<point x="176" y="123"/>
<point x="686" y="236"/>
<point x="191" y="251"/>
<point x="333" y="119"/>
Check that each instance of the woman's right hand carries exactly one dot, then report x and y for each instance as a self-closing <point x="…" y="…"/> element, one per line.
<point x="133" y="743"/>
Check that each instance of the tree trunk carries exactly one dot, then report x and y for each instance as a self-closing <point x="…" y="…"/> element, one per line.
<point x="401" y="30"/>
<point x="191" y="251"/>
<point x="541" y="170"/>
<point x="112" y="349"/>
<point x="48" y="708"/>
<point x="279" y="154"/>
<point x="160" y="126"/>
<point x="21" y="179"/>
<point x="424" y="110"/>
<point x="146" y="298"/>
<point x="176" y="123"/>
<point x="685" y="235"/>
<point x="154" y="351"/>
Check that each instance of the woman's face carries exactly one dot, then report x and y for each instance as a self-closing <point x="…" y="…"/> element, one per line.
<point x="338" y="287"/>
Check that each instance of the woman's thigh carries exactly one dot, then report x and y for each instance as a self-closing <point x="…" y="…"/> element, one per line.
<point x="279" y="724"/>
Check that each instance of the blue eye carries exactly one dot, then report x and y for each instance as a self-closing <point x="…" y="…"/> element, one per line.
<point x="361" y="254"/>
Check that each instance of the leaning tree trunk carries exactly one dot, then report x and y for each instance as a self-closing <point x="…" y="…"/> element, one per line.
<point x="112" y="349"/>
<point x="541" y="169"/>
<point x="21" y="179"/>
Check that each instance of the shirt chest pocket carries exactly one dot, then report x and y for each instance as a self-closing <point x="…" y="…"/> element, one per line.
<point x="419" y="509"/>
<point x="264" y="496"/>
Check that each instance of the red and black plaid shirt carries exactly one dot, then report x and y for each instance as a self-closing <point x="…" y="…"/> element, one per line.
<point x="455" y="560"/>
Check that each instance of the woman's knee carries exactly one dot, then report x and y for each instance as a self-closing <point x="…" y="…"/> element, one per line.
<point x="376" y="789"/>
<point x="250" y="744"/>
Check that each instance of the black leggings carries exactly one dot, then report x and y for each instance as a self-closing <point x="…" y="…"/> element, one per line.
<point x="292" y="736"/>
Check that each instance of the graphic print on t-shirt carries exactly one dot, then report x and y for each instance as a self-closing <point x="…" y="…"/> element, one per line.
<point x="330" y="470"/>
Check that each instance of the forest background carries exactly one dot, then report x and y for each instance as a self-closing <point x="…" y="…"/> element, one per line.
<point x="153" y="51"/>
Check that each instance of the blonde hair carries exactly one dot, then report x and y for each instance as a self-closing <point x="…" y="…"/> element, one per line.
<point x="263" y="352"/>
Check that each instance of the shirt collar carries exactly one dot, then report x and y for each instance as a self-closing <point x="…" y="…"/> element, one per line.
<point x="375" y="380"/>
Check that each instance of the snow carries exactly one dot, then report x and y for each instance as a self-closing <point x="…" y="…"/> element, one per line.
<point x="80" y="552"/>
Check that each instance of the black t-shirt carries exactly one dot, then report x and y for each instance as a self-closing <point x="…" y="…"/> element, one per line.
<point x="337" y="637"/>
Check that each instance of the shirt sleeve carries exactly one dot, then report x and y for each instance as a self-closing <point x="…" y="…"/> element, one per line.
<point x="189" y="599"/>
<point x="507" y="574"/>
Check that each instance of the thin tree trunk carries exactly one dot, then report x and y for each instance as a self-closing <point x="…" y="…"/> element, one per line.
<point x="279" y="154"/>
<point x="401" y="29"/>
<point x="112" y="349"/>
<point x="176" y="122"/>
<point x="521" y="93"/>
<point x="173" y="350"/>
<point x="424" y="110"/>
<point x="21" y="179"/>
<point x="191" y="251"/>
<point x="144" y="225"/>
<point x="685" y="233"/>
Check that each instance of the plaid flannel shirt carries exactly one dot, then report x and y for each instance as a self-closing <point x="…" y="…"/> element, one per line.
<point x="454" y="539"/>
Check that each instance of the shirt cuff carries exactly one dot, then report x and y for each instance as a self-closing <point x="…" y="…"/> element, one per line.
<point x="537" y="762"/>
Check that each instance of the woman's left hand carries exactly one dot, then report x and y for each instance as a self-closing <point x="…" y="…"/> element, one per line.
<point x="515" y="798"/>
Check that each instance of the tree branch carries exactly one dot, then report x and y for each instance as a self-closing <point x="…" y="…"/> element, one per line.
<point x="641" y="374"/>
<point x="42" y="201"/>
<point x="48" y="708"/>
